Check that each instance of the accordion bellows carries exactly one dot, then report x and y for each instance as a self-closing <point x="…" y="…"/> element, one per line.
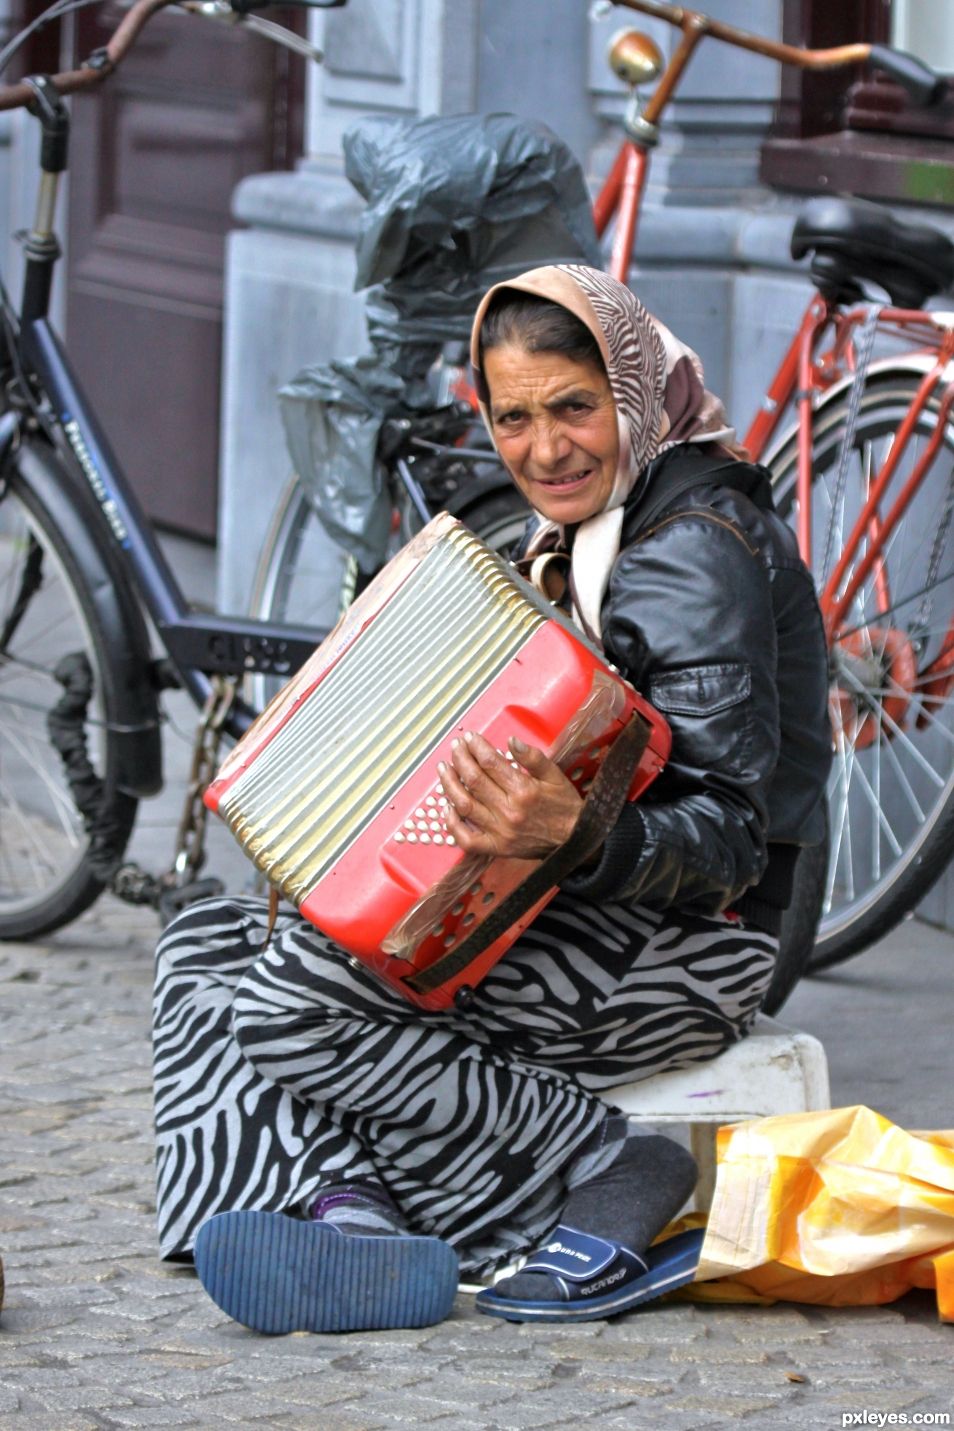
<point x="334" y="791"/>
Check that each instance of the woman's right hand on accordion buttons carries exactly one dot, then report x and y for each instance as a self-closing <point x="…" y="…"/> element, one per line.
<point x="518" y="809"/>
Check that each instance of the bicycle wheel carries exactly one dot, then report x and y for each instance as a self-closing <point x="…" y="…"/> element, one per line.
<point x="890" y="805"/>
<point x="304" y="577"/>
<point x="498" y="518"/>
<point x="48" y="624"/>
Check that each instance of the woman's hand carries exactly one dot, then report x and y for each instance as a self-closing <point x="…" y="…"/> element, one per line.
<point x="520" y="809"/>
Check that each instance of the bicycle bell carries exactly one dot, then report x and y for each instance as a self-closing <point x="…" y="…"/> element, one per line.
<point x="634" y="57"/>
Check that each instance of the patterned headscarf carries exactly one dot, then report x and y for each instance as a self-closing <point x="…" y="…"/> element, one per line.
<point x="660" y="397"/>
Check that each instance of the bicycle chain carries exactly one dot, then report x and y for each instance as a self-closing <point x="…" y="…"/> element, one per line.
<point x="923" y="616"/>
<point x="190" y="839"/>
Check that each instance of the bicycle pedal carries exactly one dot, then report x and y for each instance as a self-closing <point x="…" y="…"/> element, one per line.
<point x="174" y="901"/>
<point x="134" y="885"/>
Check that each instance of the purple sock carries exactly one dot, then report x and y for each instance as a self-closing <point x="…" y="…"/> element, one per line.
<point x="362" y="1209"/>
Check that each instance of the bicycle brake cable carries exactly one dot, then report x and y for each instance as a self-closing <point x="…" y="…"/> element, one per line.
<point x="53" y="12"/>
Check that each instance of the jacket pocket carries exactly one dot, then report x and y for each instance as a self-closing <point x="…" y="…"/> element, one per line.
<point x="708" y="708"/>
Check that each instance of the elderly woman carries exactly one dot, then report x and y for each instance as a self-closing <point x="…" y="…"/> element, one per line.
<point x="332" y="1152"/>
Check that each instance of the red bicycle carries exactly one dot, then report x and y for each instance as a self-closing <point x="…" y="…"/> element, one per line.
<point x="865" y="472"/>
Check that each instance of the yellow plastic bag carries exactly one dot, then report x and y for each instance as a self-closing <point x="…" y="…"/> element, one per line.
<point x="838" y="1208"/>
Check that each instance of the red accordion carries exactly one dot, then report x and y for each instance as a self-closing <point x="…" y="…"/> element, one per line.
<point x="334" y="791"/>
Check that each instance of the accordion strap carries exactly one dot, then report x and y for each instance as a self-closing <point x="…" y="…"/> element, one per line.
<point x="273" y="898"/>
<point x="601" y="810"/>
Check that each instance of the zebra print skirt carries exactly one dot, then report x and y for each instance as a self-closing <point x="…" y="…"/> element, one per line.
<point x="281" y="1068"/>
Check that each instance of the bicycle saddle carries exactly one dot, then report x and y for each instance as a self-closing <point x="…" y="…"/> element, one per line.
<point x="852" y="242"/>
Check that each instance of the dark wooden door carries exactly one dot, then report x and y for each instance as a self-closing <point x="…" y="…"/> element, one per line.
<point x="155" y="156"/>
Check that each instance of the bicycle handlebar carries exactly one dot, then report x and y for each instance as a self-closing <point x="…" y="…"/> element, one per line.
<point x="104" y="61"/>
<point x="923" y="84"/>
<point x="99" y="65"/>
<point x="245" y="7"/>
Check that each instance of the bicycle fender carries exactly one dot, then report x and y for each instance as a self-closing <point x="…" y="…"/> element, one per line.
<point x="905" y="365"/>
<point x="131" y="699"/>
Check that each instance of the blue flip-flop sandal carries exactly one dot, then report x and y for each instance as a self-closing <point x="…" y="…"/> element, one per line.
<point x="597" y="1278"/>
<point x="281" y="1274"/>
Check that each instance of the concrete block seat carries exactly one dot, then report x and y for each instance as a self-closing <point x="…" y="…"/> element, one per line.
<point x="773" y="1070"/>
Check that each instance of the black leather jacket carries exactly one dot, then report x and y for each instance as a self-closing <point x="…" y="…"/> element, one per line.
<point x="711" y="614"/>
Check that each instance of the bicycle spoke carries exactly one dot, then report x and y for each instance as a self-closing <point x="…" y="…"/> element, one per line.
<point x="840" y="832"/>
<point x="879" y="813"/>
<point x="896" y="730"/>
<point x="41" y="635"/>
<point x="901" y="737"/>
<point x="25" y="825"/>
<point x="903" y="780"/>
<point x="853" y="777"/>
<point x="46" y="879"/>
<point x="9" y="661"/>
<point x="59" y="798"/>
<point x="887" y="746"/>
<point x="897" y="605"/>
<point x="932" y="723"/>
<point x="876" y="796"/>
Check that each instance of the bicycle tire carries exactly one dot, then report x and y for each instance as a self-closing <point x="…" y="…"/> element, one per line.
<point x="891" y="793"/>
<point x="498" y="518"/>
<point x="304" y="577"/>
<point x="47" y="864"/>
<point x="799" y="925"/>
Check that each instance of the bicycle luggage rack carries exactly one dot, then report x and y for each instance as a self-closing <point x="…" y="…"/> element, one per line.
<point x="238" y="646"/>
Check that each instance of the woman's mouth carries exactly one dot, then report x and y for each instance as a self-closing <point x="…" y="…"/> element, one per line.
<point x="566" y="483"/>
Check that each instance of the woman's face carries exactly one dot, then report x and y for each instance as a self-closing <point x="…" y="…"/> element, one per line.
<point x="555" y="427"/>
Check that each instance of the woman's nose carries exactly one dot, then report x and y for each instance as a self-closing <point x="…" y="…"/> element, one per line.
<point x="550" y="444"/>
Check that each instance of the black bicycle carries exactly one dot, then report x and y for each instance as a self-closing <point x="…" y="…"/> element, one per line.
<point x="82" y="577"/>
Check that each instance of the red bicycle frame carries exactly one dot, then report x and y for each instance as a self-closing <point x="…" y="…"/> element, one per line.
<point x="807" y="369"/>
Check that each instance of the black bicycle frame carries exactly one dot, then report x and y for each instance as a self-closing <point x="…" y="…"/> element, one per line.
<point x="198" y="646"/>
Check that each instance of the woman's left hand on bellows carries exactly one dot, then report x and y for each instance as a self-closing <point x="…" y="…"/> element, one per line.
<point x="520" y="809"/>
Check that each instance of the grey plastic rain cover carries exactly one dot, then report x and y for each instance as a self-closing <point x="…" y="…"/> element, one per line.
<point x="454" y="205"/>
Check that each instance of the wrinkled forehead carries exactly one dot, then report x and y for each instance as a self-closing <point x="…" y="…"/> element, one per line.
<point x="556" y="284"/>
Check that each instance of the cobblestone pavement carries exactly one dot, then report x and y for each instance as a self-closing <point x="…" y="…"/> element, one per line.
<point x="97" y="1333"/>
